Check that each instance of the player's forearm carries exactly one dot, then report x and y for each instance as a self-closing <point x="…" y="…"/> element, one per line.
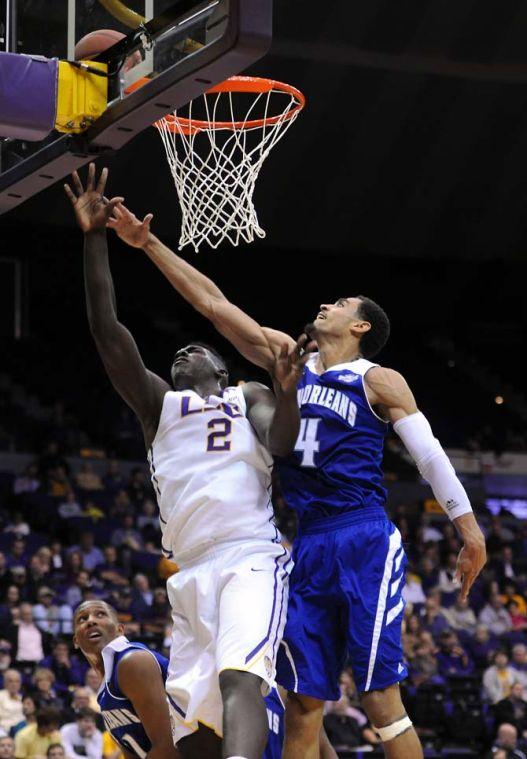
<point x="191" y="284"/>
<point x="285" y="424"/>
<point x="98" y="284"/>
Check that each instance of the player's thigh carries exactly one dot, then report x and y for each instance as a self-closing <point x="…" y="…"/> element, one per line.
<point x="371" y="579"/>
<point x="252" y="609"/>
<point x="313" y="651"/>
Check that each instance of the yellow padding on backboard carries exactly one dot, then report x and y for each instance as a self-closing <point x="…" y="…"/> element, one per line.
<point x="82" y="97"/>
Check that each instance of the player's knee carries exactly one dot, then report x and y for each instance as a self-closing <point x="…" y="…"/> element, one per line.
<point x="234" y="683"/>
<point x="304" y="707"/>
<point x="383" y="706"/>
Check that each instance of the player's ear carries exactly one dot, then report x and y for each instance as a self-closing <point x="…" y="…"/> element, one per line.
<point x="75" y="642"/>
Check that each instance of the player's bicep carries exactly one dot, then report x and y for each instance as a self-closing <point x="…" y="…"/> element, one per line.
<point x="141" y="681"/>
<point x="388" y="390"/>
<point x="261" y="405"/>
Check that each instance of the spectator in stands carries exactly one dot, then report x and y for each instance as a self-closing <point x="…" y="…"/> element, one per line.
<point x="17" y="555"/>
<point x="56" y="751"/>
<point x="518" y="620"/>
<point x="346" y="724"/>
<point x="57" y="482"/>
<point x="513" y="709"/>
<point x="497" y="536"/>
<point x="87" y="478"/>
<point x="74" y="591"/>
<point x="7" y="747"/>
<point x="51" y="458"/>
<point x="5" y="657"/>
<point x="127" y="613"/>
<point x="429" y="573"/>
<point x="121" y="505"/>
<point x="29" y="712"/>
<point x="519" y="658"/>
<point x="460" y="616"/>
<point x="56" y="557"/>
<point x="113" y="480"/>
<point x="70" y="507"/>
<point x="482" y="647"/>
<point x="28" y="482"/>
<point x="148" y="518"/>
<point x="413" y="590"/>
<point x="81" y="738"/>
<point x="433" y="619"/>
<point x="510" y="593"/>
<point x="92" y="683"/>
<point x="28" y="643"/>
<point x="127" y="536"/>
<point x="111" y="571"/>
<point x="37" y="576"/>
<point x="67" y="668"/>
<point x="17" y="526"/>
<point x="91" y="555"/>
<point x="448" y="585"/>
<point x="82" y="699"/>
<point x="507" y="740"/>
<point x="411" y="634"/>
<point x="33" y="741"/>
<point x="5" y="576"/>
<point x="139" y="487"/>
<point x="452" y="659"/>
<point x="159" y="612"/>
<point x="11" y="602"/>
<point x="505" y="568"/>
<point x="11" y="700"/>
<point x="19" y="577"/>
<point x="43" y="681"/>
<point x="498" y="679"/>
<point x="110" y="749"/>
<point x="495" y="616"/>
<point x="428" y="533"/>
<point x="51" y="617"/>
<point x="142" y="593"/>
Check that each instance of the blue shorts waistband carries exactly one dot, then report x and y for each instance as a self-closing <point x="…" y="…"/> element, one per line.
<point x="335" y="522"/>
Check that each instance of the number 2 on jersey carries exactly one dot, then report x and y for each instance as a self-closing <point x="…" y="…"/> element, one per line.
<point x="218" y="440"/>
<point x="307" y="442"/>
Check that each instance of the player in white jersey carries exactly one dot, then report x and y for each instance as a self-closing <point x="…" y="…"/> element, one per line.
<point x="210" y="452"/>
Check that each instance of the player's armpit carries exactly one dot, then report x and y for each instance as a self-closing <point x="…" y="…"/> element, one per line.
<point x="276" y="420"/>
<point x="140" y="680"/>
<point x="389" y="390"/>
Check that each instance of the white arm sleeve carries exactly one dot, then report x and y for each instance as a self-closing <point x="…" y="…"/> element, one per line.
<point x="433" y="464"/>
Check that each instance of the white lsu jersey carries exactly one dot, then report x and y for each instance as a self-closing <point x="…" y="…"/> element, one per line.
<point x="211" y="474"/>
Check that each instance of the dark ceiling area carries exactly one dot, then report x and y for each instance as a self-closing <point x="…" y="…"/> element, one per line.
<point x="413" y="142"/>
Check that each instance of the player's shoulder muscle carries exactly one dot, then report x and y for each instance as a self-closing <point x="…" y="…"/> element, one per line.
<point x="389" y="389"/>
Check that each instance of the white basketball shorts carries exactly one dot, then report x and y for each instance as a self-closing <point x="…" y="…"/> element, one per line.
<point x="229" y="609"/>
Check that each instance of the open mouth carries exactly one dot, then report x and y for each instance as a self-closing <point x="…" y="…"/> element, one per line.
<point x="94" y="635"/>
<point x="321" y="315"/>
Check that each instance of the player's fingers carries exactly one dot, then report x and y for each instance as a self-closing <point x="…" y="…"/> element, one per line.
<point x="90" y="184"/>
<point x="146" y="221"/>
<point x="468" y="579"/>
<point x="77" y="182"/>
<point x="128" y="215"/>
<point x="71" y="195"/>
<point x="101" y="184"/>
<point x="114" y="202"/>
<point x="284" y="350"/>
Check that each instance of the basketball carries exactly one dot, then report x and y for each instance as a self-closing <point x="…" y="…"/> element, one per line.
<point x="96" y="42"/>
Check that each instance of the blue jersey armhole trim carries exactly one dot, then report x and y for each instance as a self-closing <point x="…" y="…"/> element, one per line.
<point x="115" y="673"/>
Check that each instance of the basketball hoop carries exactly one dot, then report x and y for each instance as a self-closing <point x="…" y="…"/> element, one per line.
<point x="216" y="150"/>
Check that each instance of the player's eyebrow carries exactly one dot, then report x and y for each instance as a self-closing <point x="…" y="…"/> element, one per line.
<point x="342" y="300"/>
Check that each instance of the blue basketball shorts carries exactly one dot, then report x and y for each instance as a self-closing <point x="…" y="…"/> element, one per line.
<point x="345" y="606"/>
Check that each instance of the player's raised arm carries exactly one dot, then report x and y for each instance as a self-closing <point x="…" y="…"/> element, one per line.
<point x="389" y="391"/>
<point x="140" y="388"/>
<point x="261" y="347"/>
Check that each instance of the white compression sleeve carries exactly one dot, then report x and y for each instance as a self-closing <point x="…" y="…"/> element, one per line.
<point x="433" y="464"/>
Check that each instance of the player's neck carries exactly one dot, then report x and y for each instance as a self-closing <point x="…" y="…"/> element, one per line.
<point x="333" y="350"/>
<point x="203" y="389"/>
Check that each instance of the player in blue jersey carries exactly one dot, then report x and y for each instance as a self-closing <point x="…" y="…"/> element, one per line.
<point x="345" y="591"/>
<point x="132" y="695"/>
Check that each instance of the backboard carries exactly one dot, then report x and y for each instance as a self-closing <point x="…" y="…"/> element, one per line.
<point x="182" y="48"/>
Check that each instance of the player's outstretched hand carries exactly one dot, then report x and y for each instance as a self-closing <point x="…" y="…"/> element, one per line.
<point x="473" y="556"/>
<point x="92" y="209"/>
<point x="290" y="363"/>
<point x="128" y="227"/>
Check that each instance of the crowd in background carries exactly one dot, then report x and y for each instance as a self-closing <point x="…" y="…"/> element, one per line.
<point x="71" y="534"/>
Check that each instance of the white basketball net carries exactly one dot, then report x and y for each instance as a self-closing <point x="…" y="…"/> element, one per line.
<point x="215" y="169"/>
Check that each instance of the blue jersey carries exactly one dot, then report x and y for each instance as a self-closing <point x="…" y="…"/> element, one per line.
<point x="275" y="716"/>
<point x="118" y="711"/>
<point x="336" y="465"/>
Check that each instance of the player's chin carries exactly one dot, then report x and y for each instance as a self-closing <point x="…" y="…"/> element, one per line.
<point x="311" y="329"/>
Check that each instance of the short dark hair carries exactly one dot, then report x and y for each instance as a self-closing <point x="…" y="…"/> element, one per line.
<point x="212" y="350"/>
<point x="376" y="338"/>
<point x="48" y="716"/>
<point x="53" y="746"/>
<point x="86" y="713"/>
